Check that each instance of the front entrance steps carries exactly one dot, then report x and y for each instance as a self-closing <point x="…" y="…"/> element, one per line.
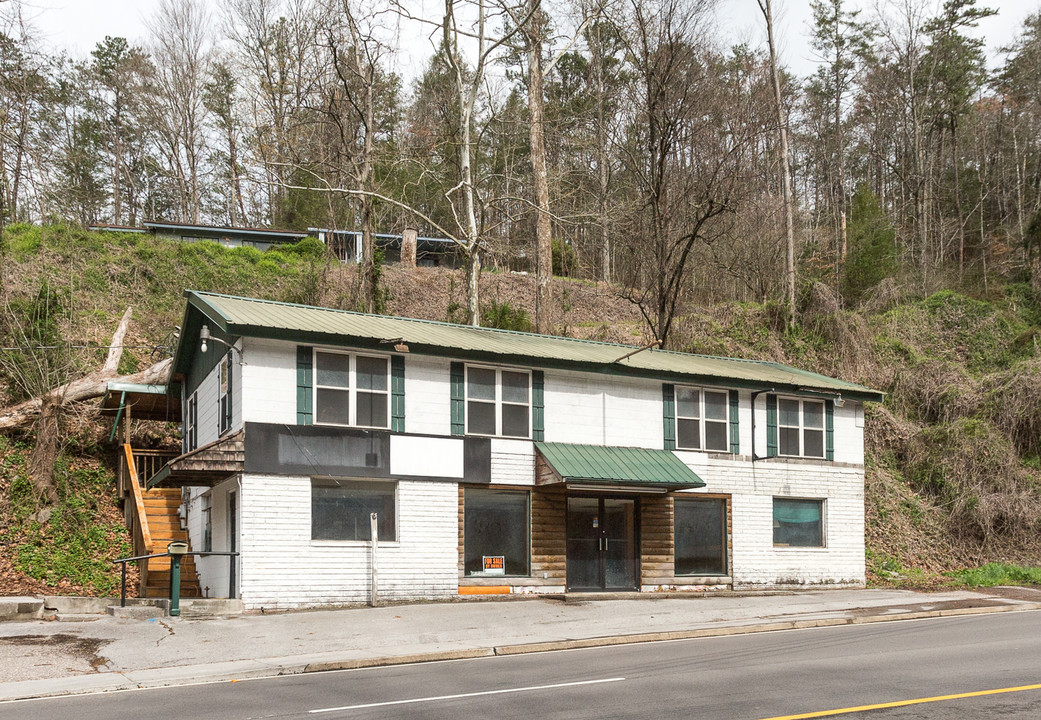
<point x="164" y="524"/>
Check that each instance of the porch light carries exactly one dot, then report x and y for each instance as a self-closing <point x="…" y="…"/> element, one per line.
<point x="205" y="338"/>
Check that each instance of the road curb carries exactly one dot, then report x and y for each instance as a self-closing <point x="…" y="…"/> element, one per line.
<point x="233" y="671"/>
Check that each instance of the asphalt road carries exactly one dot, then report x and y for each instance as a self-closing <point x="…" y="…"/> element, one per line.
<point x="771" y="675"/>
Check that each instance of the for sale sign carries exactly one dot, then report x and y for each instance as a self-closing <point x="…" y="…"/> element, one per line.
<point x="494" y="564"/>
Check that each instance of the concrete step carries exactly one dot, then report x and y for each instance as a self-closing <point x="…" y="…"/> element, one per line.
<point x="136" y="612"/>
<point x="210" y="607"/>
<point x="21" y="608"/>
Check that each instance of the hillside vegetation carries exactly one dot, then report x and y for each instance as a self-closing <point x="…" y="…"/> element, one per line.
<point x="954" y="453"/>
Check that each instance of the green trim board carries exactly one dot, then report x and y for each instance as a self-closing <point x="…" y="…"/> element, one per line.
<point x="638" y="467"/>
<point x="237" y="316"/>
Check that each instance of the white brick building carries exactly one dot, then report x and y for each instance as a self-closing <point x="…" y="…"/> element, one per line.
<point x="501" y="462"/>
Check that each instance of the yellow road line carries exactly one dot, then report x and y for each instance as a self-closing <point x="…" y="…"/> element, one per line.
<point x="901" y="703"/>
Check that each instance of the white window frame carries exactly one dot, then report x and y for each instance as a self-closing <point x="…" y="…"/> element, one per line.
<point x="224" y="382"/>
<point x="802" y="427"/>
<point x="499" y="402"/>
<point x="352" y="388"/>
<point x="702" y="446"/>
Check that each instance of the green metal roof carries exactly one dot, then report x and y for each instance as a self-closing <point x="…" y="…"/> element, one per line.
<point x="619" y="466"/>
<point x="238" y="316"/>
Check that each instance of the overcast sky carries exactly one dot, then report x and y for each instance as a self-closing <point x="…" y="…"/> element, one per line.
<point x="77" y="25"/>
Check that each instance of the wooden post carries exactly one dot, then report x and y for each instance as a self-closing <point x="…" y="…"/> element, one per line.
<point x="409" y="242"/>
<point x="374" y="534"/>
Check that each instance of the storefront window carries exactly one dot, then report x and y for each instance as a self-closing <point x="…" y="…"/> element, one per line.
<point x="340" y="509"/>
<point x="700" y="536"/>
<point x="496" y="532"/>
<point x="798" y="523"/>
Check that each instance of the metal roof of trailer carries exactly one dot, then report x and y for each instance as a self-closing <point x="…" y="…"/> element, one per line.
<point x="239" y="316"/>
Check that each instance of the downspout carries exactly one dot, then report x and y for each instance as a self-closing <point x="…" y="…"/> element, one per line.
<point x="756" y="394"/>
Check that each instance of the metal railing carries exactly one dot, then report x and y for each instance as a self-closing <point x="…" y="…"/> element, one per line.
<point x="175" y="562"/>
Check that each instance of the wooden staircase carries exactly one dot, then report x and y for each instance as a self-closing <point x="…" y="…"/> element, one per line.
<point x="164" y="526"/>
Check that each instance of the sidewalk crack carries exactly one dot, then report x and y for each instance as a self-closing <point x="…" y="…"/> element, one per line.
<point x="169" y="632"/>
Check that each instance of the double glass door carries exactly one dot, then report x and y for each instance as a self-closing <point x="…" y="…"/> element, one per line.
<point x="602" y="546"/>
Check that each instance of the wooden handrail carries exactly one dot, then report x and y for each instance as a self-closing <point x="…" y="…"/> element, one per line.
<point x="139" y="499"/>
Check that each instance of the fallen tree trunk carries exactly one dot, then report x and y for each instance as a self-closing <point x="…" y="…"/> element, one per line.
<point x="47" y="408"/>
<point x="89" y="386"/>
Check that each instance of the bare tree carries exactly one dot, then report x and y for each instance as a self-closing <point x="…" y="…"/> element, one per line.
<point x="686" y="154"/>
<point x="786" y="178"/>
<point x="360" y="106"/>
<point x="181" y="52"/>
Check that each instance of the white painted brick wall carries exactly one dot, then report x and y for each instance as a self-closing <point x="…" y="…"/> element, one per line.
<point x="283" y="568"/>
<point x="756" y="562"/>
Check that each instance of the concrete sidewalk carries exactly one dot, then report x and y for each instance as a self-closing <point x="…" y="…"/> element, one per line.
<point x="102" y="653"/>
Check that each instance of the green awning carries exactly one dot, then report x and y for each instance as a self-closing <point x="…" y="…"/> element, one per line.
<point x="636" y="468"/>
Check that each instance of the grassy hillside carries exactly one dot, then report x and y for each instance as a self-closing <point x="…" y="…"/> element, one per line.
<point x="954" y="463"/>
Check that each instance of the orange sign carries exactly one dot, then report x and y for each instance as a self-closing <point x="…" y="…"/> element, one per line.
<point x="494" y="564"/>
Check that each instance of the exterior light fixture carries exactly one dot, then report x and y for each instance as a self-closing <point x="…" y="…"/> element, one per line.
<point x="205" y="338"/>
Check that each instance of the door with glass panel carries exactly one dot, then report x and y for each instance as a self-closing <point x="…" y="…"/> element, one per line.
<point x="602" y="544"/>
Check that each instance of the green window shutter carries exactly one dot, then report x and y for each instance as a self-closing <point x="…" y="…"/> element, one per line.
<point x="771" y="426"/>
<point x="668" y="403"/>
<point x="538" y="407"/>
<point x="458" y="402"/>
<point x="829" y="430"/>
<point x="735" y="430"/>
<point x="304" y="385"/>
<point x="397" y="393"/>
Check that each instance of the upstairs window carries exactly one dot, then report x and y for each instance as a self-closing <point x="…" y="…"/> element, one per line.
<point x="351" y="389"/>
<point x="800" y="427"/>
<point x="224" y="394"/>
<point x="191" y="419"/>
<point x="498" y="402"/>
<point x="702" y="419"/>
